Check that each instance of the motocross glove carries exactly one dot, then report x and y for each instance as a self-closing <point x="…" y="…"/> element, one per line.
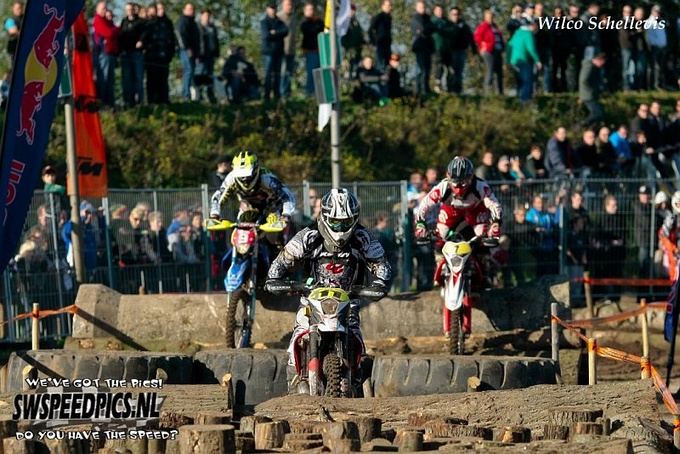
<point x="421" y="230"/>
<point x="494" y="230"/>
<point x="276" y="286"/>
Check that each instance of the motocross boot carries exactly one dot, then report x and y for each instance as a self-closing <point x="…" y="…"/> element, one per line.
<point x="296" y="384"/>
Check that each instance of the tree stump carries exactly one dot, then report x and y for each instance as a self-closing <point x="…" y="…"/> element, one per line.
<point x="606" y="425"/>
<point x="156" y="446"/>
<point x="248" y="423"/>
<point x="555" y="432"/>
<point x="301" y="441"/>
<point x="302" y="427"/>
<point x="420" y="418"/>
<point x="207" y="439"/>
<point x="245" y="441"/>
<point x="213" y="417"/>
<point x="369" y="428"/>
<point x="411" y="441"/>
<point x="338" y="430"/>
<point x="174" y="420"/>
<point x="342" y="444"/>
<point x="515" y="434"/>
<point x="269" y="435"/>
<point x="443" y="428"/>
<point x="474" y="384"/>
<point x="402" y="430"/>
<point x="566" y="416"/>
<point x="8" y="428"/>
<point x="14" y="446"/>
<point x="388" y="434"/>
<point x="590" y="428"/>
<point x="67" y="446"/>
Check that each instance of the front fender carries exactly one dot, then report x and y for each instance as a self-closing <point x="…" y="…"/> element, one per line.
<point x="236" y="274"/>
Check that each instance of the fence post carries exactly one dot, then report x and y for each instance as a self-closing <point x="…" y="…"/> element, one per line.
<point x="555" y="342"/>
<point x="592" y="361"/>
<point x="645" y="370"/>
<point x="645" y="328"/>
<point x="589" y="294"/>
<point x="35" y="327"/>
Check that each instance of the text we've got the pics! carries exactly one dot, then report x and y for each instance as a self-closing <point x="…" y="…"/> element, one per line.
<point x="628" y="23"/>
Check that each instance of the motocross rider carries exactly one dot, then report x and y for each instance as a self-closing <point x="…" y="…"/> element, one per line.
<point x="337" y="249"/>
<point x="256" y="188"/>
<point x="669" y="234"/>
<point x="463" y="197"/>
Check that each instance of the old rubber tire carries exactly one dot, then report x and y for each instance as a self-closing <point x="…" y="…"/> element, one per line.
<point x="413" y="375"/>
<point x="237" y="314"/>
<point x="257" y="375"/>
<point x="113" y="365"/>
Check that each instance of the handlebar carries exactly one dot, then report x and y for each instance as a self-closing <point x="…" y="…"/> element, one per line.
<point x="295" y="287"/>
<point x="488" y="242"/>
<point x="270" y="226"/>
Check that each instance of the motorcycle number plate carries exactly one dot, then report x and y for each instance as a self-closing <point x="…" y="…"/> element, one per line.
<point x="243" y="237"/>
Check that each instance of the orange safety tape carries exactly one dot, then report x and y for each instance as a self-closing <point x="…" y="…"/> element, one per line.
<point x="590" y="322"/>
<point x="618" y="355"/>
<point x="72" y="309"/>
<point x="665" y="393"/>
<point x="569" y="327"/>
<point x="622" y="281"/>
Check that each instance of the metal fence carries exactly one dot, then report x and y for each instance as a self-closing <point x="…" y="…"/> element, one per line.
<point x="41" y="273"/>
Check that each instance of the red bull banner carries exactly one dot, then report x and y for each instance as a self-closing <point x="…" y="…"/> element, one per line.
<point x="31" y="105"/>
<point x="92" y="175"/>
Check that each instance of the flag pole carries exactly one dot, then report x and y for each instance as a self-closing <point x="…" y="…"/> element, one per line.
<point x="72" y="170"/>
<point x="336" y="159"/>
<point x="676" y="314"/>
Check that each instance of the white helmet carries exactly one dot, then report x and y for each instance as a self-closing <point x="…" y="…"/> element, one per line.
<point x="675" y="202"/>
<point x="660" y="197"/>
<point x="339" y="218"/>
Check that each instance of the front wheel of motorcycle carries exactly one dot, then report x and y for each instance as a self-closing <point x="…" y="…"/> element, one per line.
<point x="456" y="340"/>
<point x="238" y="324"/>
<point x="332" y="370"/>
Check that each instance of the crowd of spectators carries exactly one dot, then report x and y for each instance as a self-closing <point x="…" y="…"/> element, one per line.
<point x="566" y="49"/>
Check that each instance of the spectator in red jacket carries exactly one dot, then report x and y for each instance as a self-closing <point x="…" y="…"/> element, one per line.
<point x="490" y="42"/>
<point x="106" y="50"/>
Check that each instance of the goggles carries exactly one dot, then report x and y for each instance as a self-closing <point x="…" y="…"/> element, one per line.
<point x="340" y="225"/>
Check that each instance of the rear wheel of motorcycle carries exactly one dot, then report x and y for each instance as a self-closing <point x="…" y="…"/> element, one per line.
<point x="237" y="318"/>
<point x="332" y="370"/>
<point x="456" y="336"/>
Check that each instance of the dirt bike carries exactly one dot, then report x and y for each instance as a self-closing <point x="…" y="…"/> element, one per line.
<point x="327" y="354"/>
<point x="459" y="273"/>
<point x="240" y="281"/>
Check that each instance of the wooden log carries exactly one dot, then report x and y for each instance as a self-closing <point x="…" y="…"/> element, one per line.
<point x="515" y="434"/>
<point x="213" y="417"/>
<point x="606" y="425"/>
<point x="302" y="427"/>
<point x="245" y="441"/>
<point x="338" y="430"/>
<point x="207" y="439"/>
<point x="248" y="423"/>
<point x="342" y="444"/>
<point x="388" y="434"/>
<point x="8" y="427"/>
<point x="229" y="391"/>
<point x="474" y="384"/>
<point x="566" y="416"/>
<point x="301" y="441"/>
<point x="157" y="446"/>
<point x="420" y="418"/>
<point x="442" y="429"/>
<point x="402" y="430"/>
<point x="590" y="428"/>
<point x="369" y="428"/>
<point x="555" y="432"/>
<point x="174" y="420"/>
<point x="14" y="446"/>
<point x="269" y="435"/>
<point x="411" y="441"/>
<point x="381" y="444"/>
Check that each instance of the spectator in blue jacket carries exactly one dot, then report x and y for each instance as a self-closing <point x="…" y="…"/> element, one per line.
<point x="544" y="222"/>
<point x="91" y="231"/>
<point x="624" y="155"/>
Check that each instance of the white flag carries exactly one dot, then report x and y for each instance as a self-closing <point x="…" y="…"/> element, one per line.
<point x="324" y="115"/>
<point x="342" y="20"/>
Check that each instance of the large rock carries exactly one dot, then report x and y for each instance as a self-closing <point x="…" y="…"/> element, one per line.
<point x="103" y="312"/>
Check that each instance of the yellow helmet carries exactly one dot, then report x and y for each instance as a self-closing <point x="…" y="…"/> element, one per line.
<point x="246" y="170"/>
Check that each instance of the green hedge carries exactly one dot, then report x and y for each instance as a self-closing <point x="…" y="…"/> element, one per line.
<point x="175" y="146"/>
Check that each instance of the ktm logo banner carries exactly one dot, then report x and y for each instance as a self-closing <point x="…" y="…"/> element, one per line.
<point x="92" y="174"/>
<point x="34" y="87"/>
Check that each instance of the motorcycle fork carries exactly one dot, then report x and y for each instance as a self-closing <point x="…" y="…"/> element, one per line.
<point x="313" y="362"/>
<point x="467" y="304"/>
